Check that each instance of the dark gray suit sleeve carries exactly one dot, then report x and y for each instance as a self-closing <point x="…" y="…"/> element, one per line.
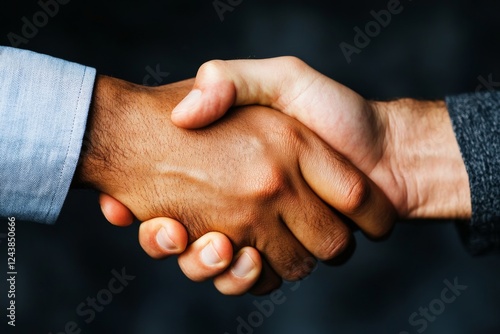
<point x="476" y="122"/>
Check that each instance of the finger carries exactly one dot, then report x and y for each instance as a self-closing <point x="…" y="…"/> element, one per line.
<point x="335" y="180"/>
<point x="222" y="84"/>
<point x="114" y="211"/>
<point x="344" y="256"/>
<point x="285" y="254"/>
<point x="162" y="237"/>
<point x="267" y="282"/>
<point x="242" y="274"/>
<point x="206" y="257"/>
<point x="315" y="225"/>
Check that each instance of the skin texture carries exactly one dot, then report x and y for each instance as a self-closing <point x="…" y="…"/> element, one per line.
<point x="253" y="177"/>
<point x="407" y="147"/>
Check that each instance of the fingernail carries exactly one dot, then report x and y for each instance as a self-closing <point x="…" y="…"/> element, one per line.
<point x="243" y="266"/>
<point x="163" y="239"/>
<point x="189" y="102"/>
<point x="209" y="255"/>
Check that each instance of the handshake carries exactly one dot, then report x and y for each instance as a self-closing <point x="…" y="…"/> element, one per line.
<point x="249" y="196"/>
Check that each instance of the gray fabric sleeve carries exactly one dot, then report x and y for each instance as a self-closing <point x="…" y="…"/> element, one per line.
<point x="476" y="122"/>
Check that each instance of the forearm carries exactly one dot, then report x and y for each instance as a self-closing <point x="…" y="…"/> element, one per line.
<point x="428" y="158"/>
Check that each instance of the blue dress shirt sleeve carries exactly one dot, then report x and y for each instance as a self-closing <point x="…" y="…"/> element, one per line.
<point x="44" y="104"/>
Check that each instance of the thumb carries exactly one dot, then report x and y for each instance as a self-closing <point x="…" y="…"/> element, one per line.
<point x="222" y="84"/>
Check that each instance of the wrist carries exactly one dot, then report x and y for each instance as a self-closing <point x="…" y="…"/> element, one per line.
<point x="100" y="143"/>
<point x="425" y="156"/>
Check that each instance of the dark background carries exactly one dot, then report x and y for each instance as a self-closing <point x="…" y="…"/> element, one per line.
<point x="428" y="51"/>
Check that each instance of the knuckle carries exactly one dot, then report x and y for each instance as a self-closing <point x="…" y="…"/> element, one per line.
<point x="288" y="133"/>
<point x="292" y="133"/>
<point x="212" y="68"/>
<point x="294" y="62"/>
<point x="357" y="195"/>
<point x="283" y="131"/>
<point x="273" y="182"/>
<point x="334" y="245"/>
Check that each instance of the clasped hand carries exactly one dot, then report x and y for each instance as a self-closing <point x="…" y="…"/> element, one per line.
<point x="259" y="179"/>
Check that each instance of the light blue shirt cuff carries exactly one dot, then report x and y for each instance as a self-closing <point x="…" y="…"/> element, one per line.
<point x="44" y="104"/>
